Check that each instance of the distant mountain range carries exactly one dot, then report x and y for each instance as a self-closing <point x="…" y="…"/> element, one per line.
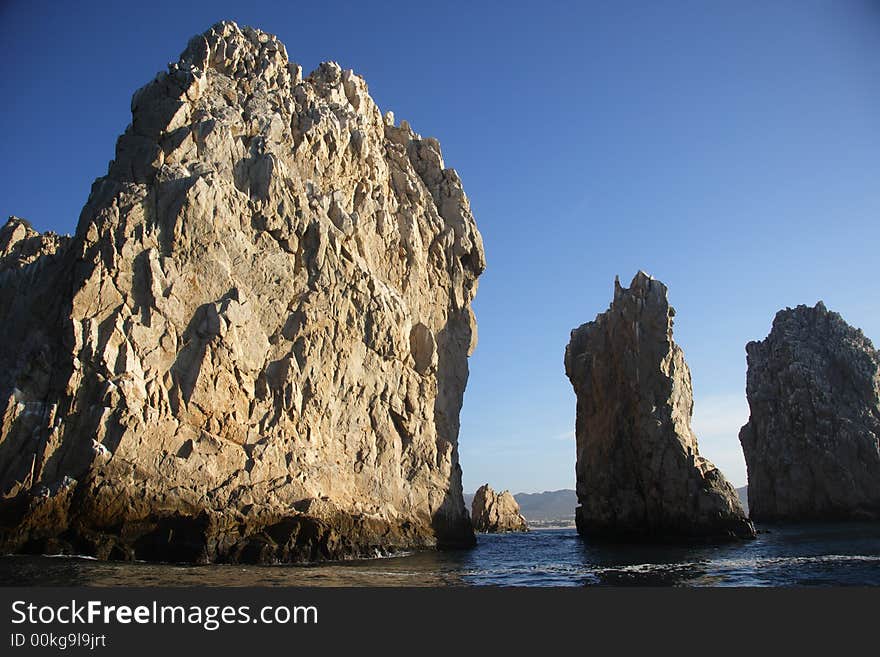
<point x="552" y="507"/>
<point x="744" y="497"/>
<point x="549" y="505"/>
<point x="557" y="506"/>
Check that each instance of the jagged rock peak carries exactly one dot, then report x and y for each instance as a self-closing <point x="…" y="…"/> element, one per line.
<point x="255" y="346"/>
<point x="642" y="286"/>
<point x="496" y="512"/>
<point x="812" y="443"/>
<point x="21" y="245"/>
<point x="639" y="472"/>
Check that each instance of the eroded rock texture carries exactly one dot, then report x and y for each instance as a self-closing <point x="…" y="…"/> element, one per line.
<point x="811" y="443"/>
<point x="639" y="472"/>
<point x="255" y="345"/>
<point x="493" y="512"/>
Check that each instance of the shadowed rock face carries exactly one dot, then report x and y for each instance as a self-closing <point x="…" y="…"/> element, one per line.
<point x="811" y="443"/>
<point x="496" y="513"/>
<point x="255" y="346"/>
<point x="639" y="472"/>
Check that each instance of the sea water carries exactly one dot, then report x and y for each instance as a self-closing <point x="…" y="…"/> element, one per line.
<point x="804" y="555"/>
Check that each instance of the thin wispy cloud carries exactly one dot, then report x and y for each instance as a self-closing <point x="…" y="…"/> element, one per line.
<point x="717" y="421"/>
<point x="718" y="416"/>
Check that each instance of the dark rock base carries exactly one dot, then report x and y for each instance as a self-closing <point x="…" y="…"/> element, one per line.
<point x="65" y="524"/>
<point x="726" y="530"/>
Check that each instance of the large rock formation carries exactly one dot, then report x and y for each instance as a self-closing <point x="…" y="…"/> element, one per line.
<point x="496" y="513"/>
<point x="812" y="443"/>
<point x="255" y="345"/>
<point x="639" y="473"/>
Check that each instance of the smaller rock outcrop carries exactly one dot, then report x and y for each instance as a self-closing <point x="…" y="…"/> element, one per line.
<point x="493" y="512"/>
<point x="811" y="442"/>
<point x="639" y="472"/>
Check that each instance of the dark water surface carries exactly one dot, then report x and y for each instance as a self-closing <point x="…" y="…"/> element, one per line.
<point x="806" y="555"/>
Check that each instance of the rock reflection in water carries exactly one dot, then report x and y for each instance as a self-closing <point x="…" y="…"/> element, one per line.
<point x="807" y="555"/>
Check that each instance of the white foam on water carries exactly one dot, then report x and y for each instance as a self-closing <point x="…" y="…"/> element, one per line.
<point x="70" y="556"/>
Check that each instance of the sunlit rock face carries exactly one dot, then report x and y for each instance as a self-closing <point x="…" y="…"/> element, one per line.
<point x="639" y="472"/>
<point x="812" y="443"/>
<point x="255" y="346"/>
<point x="494" y="513"/>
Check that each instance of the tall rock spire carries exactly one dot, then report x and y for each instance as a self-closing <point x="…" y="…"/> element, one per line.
<point x="639" y="472"/>
<point x="812" y="443"/>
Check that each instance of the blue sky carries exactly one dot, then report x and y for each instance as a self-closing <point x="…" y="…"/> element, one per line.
<point x="730" y="149"/>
